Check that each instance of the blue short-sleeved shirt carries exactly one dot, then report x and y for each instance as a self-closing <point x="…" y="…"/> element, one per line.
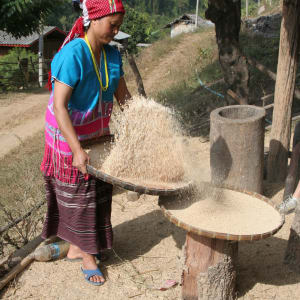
<point x="73" y="66"/>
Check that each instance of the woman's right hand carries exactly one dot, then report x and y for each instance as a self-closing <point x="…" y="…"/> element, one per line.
<point x="80" y="160"/>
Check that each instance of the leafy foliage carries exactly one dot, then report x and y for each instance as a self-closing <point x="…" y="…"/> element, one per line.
<point x="11" y="75"/>
<point x="62" y="16"/>
<point x="169" y="8"/>
<point x="139" y="26"/>
<point x="22" y="17"/>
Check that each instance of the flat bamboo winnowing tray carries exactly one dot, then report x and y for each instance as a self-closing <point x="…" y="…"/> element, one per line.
<point x="169" y="203"/>
<point x="102" y="145"/>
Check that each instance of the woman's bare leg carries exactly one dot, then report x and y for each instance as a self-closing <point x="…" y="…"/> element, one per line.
<point x="74" y="252"/>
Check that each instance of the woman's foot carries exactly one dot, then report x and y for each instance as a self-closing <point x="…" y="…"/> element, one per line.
<point x="74" y="252"/>
<point x="89" y="263"/>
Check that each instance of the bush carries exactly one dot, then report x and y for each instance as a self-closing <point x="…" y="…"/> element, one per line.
<point x="11" y="75"/>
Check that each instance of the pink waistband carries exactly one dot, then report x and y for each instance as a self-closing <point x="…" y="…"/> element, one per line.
<point x="92" y="127"/>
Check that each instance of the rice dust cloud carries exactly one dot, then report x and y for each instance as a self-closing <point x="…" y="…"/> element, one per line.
<point x="147" y="146"/>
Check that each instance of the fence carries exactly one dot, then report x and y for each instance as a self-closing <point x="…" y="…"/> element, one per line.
<point x="23" y="74"/>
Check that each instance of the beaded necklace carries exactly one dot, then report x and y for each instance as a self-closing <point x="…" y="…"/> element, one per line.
<point x="103" y="88"/>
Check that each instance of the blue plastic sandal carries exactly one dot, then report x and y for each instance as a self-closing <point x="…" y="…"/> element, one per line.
<point x="90" y="273"/>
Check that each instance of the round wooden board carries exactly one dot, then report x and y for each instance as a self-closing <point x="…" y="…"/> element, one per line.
<point x="163" y="203"/>
<point x="149" y="190"/>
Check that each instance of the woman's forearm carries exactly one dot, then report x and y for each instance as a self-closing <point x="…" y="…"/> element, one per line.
<point x="62" y="94"/>
<point x="66" y="127"/>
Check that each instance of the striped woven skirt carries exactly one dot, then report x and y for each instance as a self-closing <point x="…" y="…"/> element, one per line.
<point x="79" y="213"/>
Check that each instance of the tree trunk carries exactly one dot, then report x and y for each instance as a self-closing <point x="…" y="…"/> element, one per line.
<point x="209" y="268"/>
<point x="226" y="15"/>
<point x="136" y="72"/>
<point x="284" y="91"/>
<point x="292" y="254"/>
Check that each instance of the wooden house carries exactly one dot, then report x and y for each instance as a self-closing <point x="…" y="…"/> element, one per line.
<point x="53" y="38"/>
<point x="186" y="23"/>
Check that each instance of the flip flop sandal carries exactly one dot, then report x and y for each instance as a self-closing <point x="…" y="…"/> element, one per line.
<point x="90" y="273"/>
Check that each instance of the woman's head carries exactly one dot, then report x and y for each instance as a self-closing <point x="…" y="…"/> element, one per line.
<point x="95" y="9"/>
<point x="105" y="28"/>
<point x="102" y="16"/>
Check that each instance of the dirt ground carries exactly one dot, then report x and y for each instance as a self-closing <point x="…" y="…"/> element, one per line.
<point x="21" y="117"/>
<point x="147" y="247"/>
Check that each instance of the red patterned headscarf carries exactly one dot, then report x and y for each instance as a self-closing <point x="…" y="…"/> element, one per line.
<point x="91" y="10"/>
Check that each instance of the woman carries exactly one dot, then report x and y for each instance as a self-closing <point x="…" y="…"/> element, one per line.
<point x="85" y="74"/>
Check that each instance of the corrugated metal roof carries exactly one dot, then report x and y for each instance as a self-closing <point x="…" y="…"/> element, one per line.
<point x="121" y="36"/>
<point x="7" y="39"/>
<point x="190" y="19"/>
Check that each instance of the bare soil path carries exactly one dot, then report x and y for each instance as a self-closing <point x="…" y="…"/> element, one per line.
<point x="21" y="117"/>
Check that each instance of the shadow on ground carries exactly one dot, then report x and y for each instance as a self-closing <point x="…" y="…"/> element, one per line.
<point x="262" y="262"/>
<point x="155" y="227"/>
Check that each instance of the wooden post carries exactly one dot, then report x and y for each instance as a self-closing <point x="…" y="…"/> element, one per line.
<point x="136" y="72"/>
<point x="284" y="91"/>
<point x="41" y="55"/>
<point x="24" y="72"/>
<point x="197" y="10"/>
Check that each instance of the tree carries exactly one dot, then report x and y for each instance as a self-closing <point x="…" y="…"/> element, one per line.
<point x="284" y="90"/>
<point x="139" y="26"/>
<point x="23" y="17"/>
<point x="227" y="18"/>
<point x="62" y="16"/>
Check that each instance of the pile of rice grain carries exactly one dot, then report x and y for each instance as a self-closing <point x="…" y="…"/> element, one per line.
<point x="148" y="145"/>
<point x="224" y="211"/>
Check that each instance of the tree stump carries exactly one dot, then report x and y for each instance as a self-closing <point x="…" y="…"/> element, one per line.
<point x="209" y="268"/>
<point x="237" y="147"/>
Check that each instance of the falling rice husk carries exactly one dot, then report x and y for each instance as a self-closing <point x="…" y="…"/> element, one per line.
<point x="148" y="145"/>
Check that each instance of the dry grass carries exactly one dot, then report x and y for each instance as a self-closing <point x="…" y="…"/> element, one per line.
<point x="21" y="188"/>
